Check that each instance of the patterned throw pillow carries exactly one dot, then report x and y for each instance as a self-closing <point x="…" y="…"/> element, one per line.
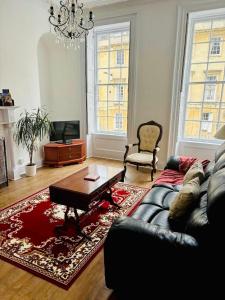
<point x="186" y="200"/>
<point x="196" y="170"/>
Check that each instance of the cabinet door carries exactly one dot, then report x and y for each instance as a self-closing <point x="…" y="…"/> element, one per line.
<point x="75" y="151"/>
<point x="65" y="154"/>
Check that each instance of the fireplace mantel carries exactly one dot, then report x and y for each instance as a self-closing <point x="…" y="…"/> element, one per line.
<point x="7" y="120"/>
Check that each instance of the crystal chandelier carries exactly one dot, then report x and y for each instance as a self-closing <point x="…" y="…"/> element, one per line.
<point x="71" y="21"/>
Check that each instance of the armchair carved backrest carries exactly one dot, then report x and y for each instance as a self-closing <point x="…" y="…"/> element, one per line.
<point x="149" y="135"/>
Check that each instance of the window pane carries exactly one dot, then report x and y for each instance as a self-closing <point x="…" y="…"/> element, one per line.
<point x="217" y="70"/>
<point x="115" y="75"/>
<point x="220" y="55"/>
<point x="191" y="129"/>
<point x="102" y="109"/>
<point x="200" y="53"/>
<point x="102" y="93"/>
<point x="202" y="32"/>
<point x="112" y="81"/>
<point x="195" y="93"/>
<point x="212" y="111"/>
<point x="103" y="76"/>
<point x="193" y="111"/>
<point x="124" y="75"/>
<point x="125" y="40"/>
<point x="102" y="124"/>
<point x="115" y="41"/>
<point x="198" y="73"/>
<point x="103" y="60"/>
<point x="103" y="42"/>
<point x="222" y="113"/>
<point x="208" y="130"/>
<point x="205" y="95"/>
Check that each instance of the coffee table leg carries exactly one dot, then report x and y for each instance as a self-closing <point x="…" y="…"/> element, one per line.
<point x="63" y="227"/>
<point x="108" y="197"/>
<point x="77" y="222"/>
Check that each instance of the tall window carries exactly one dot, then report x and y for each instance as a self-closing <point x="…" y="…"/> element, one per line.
<point x="204" y="78"/>
<point x="111" y="78"/>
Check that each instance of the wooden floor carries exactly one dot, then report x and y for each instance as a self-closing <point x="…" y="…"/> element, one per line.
<point x="21" y="285"/>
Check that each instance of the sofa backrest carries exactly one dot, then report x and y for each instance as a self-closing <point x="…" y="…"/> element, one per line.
<point x="219" y="152"/>
<point x="216" y="198"/>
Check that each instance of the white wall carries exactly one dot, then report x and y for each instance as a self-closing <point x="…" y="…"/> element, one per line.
<point x="61" y="80"/>
<point x="156" y="28"/>
<point x="21" y="25"/>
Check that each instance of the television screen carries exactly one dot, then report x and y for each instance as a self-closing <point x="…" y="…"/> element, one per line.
<point x="63" y="131"/>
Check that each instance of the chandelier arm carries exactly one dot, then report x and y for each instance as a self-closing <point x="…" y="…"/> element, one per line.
<point x="87" y="28"/>
<point x="61" y="31"/>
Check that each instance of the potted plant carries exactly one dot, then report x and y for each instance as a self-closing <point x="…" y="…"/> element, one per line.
<point x="31" y="128"/>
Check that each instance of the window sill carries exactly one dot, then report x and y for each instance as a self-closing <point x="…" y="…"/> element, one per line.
<point x="201" y="143"/>
<point x="109" y="136"/>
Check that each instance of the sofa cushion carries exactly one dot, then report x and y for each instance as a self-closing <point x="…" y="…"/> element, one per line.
<point x="220" y="151"/>
<point x="154" y="208"/>
<point x="209" y="169"/>
<point x="185" y="200"/>
<point x="220" y="164"/>
<point x="196" y="170"/>
<point x="197" y="223"/>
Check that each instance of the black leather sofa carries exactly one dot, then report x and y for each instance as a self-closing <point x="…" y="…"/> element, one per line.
<point x="146" y="254"/>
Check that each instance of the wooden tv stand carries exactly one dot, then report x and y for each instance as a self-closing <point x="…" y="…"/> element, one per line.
<point x="58" y="155"/>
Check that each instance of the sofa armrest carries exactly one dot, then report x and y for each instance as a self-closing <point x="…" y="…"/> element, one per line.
<point x="134" y="245"/>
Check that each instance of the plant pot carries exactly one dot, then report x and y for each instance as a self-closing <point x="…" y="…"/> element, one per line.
<point x="31" y="170"/>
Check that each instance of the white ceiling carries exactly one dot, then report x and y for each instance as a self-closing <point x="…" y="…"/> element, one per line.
<point x="102" y="2"/>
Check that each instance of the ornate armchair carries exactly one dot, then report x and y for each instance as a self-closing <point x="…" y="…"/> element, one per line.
<point x="149" y="134"/>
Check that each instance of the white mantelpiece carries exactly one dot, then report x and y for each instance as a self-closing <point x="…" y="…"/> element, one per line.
<point x="7" y="120"/>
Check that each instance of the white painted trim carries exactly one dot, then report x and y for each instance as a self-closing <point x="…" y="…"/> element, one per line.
<point x="132" y="66"/>
<point x="183" y="10"/>
<point x="178" y="66"/>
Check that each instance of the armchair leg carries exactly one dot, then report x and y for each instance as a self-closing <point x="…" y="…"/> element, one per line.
<point x="152" y="172"/>
<point x="124" y="172"/>
<point x="137" y="167"/>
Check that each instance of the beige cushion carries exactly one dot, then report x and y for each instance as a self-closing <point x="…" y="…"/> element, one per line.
<point x="142" y="158"/>
<point x="196" y="170"/>
<point x="148" y="137"/>
<point x="185" y="200"/>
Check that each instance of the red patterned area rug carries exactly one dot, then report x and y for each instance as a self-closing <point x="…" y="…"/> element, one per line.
<point x="28" y="238"/>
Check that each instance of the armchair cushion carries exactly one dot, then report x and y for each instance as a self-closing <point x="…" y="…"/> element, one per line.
<point x="141" y="158"/>
<point x="149" y="134"/>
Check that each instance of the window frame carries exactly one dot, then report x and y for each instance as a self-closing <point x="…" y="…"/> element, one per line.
<point x="116" y="27"/>
<point x="198" y="17"/>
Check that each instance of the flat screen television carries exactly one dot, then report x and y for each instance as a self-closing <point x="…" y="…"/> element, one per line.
<point x="65" y="131"/>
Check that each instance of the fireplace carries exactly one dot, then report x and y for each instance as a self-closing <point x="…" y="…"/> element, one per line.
<point x="7" y="121"/>
<point x="3" y="164"/>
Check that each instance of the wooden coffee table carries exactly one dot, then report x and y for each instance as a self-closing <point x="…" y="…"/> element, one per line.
<point x="77" y="193"/>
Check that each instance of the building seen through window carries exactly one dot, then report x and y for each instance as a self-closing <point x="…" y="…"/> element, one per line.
<point x="111" y="78"/>
<point x="205" y="80"/>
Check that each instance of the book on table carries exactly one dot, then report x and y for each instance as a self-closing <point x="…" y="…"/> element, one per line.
<point x="92" y="177"/>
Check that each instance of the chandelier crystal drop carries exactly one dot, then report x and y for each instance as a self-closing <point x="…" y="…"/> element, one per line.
<point x="71" y="21"/>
